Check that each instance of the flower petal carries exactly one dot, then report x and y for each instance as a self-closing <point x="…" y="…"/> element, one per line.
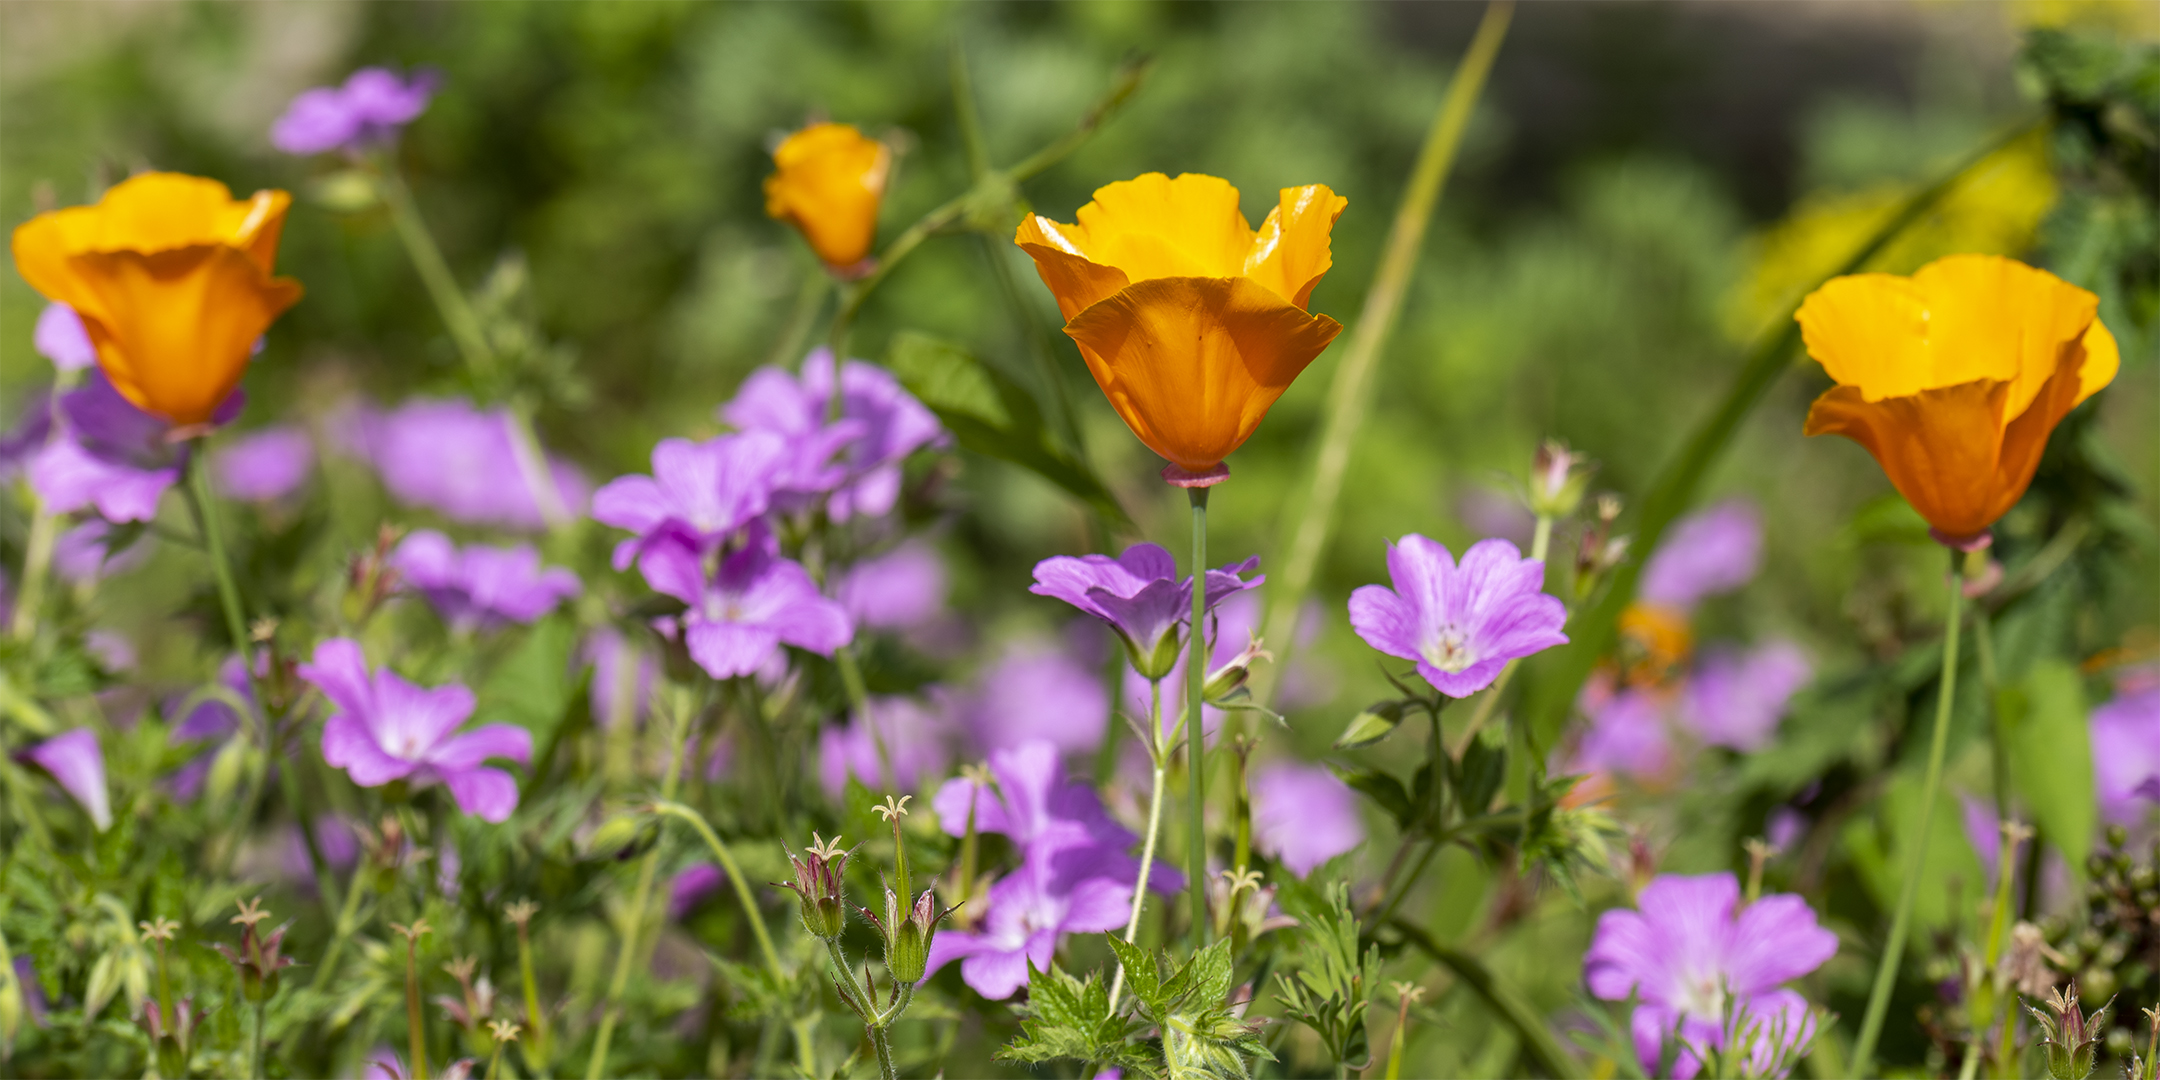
<point x="726" y="650"/>
<point x="409" y="721"/>
<point x="828" y="182"/>
<point x="487" y="794"/>
<point x="468" y="749"/>
<point x="340" y="671"/>
<point x="175" y="329"/>
<point x="1940" y="448"/>
<point x="1776" y="940"/>
<point x="1290" y="252"/>
<point x="348" y="744"/>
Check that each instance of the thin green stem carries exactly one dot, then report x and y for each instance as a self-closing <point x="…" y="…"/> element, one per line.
<point x="1350" y="394"/>
<point x="536" y="1041"/>
<point x="457" y="313"/>
<point x="415" y="1020"/>
<point x="206" y="522"/>
<point x="1900" y="922"/>
<point x="686" y="710"/>
<point x="883" y="1042"/>
<point x="1195" y="738"/>
<point x="735" y="876"/>
<point x="1147" y="862"/>
<point x="859" y="700"/>
<point x="255" y="1048"/>
<point x="1539" y="1044"/>
<point x="37" y="564"/>
<point x="347" y="922"/>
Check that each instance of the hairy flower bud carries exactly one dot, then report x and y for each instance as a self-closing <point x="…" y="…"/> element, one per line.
<point x="818" y="886"/>
<point x="1227" y="680"/>
<point x="257" y="959"/>
<point x="908" y="934"/>
<point x="170" y="1043"/>
<point x="1557" y="480"/>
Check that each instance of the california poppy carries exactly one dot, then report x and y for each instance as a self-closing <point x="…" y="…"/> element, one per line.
<point x="1954" y="377"/>
<point x="1191" y="322"/>
<point x="827" y="183"/>
<point x="172" y="278"/>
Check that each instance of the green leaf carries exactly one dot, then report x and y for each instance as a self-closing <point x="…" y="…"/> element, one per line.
<point x="1141" y="975"/>
<point x="1484" y="766"/>
<point x="1371" y="726"/>
<point x="531" y="687"/>
<point x="1070" y="1019"/>
<point x="993" y="415"/>
<point x="2051" y="757"/>
<point x="1380" y="788"/>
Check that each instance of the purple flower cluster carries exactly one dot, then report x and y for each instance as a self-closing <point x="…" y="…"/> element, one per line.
<point x="1461" y="623"/>
<point x="699" y="494"/>
<point x="851" y="463"/>
<point x="452" y="458"/>
<point x="383" y="728"/>
<point x="1140" y="595"/>
<point x="1693" y="957"/>
<point x="105" y="454"/>
<point x="917" y="736"/>
<point x="1714" y="550"/>
<point x="2126" y="750"/>
<point x="365" y="113"/>
<point x="480" y="586"/>
<point x="1076" y="873"/>
<point x="744" y="605"/>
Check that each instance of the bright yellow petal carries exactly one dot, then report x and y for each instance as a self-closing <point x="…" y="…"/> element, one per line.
<point x="174" y="328"/>
<point x="2102" y="360"/>
<point x="1290" y="252"/>
<point x="1193" y="364"/>
<point x="1989" y="315"/>
<point x="1938" y="447"/>
<point x="42" y="246"/>
<point x="1155" y="227"/>
<point x="1870" y="332"/>
<point x="828" y="183"/>
<point x="1076" y="283"/>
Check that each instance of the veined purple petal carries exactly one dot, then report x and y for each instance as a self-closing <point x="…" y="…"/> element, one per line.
<point x="78" y="765"/>
<point x="672" y="567"/>
<point x="1461" y="623"/>
<point x="409" y="720"/>
<point x="726" y="650"/>
<point x="1774" y="941"/>
<point x="468" y="749"/>
<point x="69" y="478"/>
<point x="340" y="671"/>
<point x="348" y="744"/>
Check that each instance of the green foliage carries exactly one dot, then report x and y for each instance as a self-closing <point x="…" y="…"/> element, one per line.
<point x="2051" y="758"/>
<point x="1070" y="1019"/>
<point x="1333" y="982"/>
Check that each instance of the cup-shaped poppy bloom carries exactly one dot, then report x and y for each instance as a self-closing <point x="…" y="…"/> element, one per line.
<point x="1954" y="377"/>
<point x="171" y="276"/>
<point x="1191" y="322"/>
<point x="827" y="181"/>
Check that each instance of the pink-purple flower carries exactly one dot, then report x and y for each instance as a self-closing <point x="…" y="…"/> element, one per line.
<point x="1140" y="595"/>
<point x="1025" y="915"/>
<point x="480" y="585"/>
<point x="457" y="460"/>
<point x="878" y="426"/>
<point x="917" y="736"/>
<point x="1693" y="956"/>
<point x="2126" y="753"/>
<point x="78" y="766"/>
<point x="742" y="611"/>
<point x="383" y="728"/>
<point x="699" y="492"/>
<point x="60" y="338"/>
<point x="1735" y="698"/>
<point x="368" y="111"/>
<point x="1038" y="691"/>
<point x="690" y="886"/>
<point x="1461" y="623"/>
<point x="1713" y="550"/>
<point x="110" y="455"/>
<point x="1051" y="819"/>
<point x="264" y="465"/>
<point x="1303" y="815"/>
<point x="1626" y="734"/>
<point x="901" y="588"/>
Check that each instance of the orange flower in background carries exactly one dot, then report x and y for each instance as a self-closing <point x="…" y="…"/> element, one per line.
<point x="1192" y="322"/>
<point x="172" y="278"/>
<point x="828" y="181"/>
<point x="1954" y="377"/>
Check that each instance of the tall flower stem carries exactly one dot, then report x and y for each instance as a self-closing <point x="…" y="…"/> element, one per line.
<point x="1894" y="949"/>
<point x="348" y="920"/>
<point x="1350" y="394"/>
<point x="204" y="504"/>
<point x="37" y="565"/>
<point x="859" y="699"/>
<point x="255" y="1047"/>
<point x="735" y="877"/>
<point x="686" y="710"/>
<point x="1195" y="739"/>
<point x="1160" y="754"/>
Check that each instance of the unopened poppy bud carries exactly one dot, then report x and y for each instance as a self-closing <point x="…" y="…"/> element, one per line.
<point x="827" y="182"/>
<point x="1556" y="481"/>
<point x="818" y="888"/>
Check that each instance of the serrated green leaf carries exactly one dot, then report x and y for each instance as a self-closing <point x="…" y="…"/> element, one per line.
<point x="1141" y="974"/>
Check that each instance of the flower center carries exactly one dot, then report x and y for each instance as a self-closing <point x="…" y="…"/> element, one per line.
<point x="1703" y="996"/>
<point x="1449" y="650"/>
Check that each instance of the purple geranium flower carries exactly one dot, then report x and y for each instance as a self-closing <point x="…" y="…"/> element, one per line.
<point x="741" y="615"/>
<point x="1626" y="735"/>
<point x="480" y="585"/>
<point x="902" y="588"/>
<point x="84" y="553"/>
<point x="1714" y="550"/>
<point x="75" y="761"/>
<point x="1736" y="698"/>
<point x="1462" y="624"/>
<point x="1038" y="692"/>
<point x="1693" y="956"/>
<point x="383" y="728"/>
<point x="110" y="455"/>
<point x="60" y="338"/>
<point x="366" y="112"/>
<point x="879" y="425"/>
<point x="1024" y="917"/>
<point x="690" y="886"/>
<point x="2126" y="754"/>
<point x="1303" y="815"/>
<point x="265" y="465"/>
<point x="701" y="492"/>
<point x="454" y="459"/>
<point x="1140" y="595"/>
<point x="622" y="678"/>
<point x="917" y="736"/>
<point x="1056" y="821"/>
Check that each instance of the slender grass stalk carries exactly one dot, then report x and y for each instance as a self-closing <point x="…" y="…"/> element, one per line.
<point x="255" y="1046"/>
<point x="1900" y="922"/>
<point x="348" y="921"/>
<point x="1350" y="395"/>
<point x="1539" y="1044"/>
<point x="536" y="1054"/>
<point x="735" y="877"/>
<point x="37" y="566"/>
<point x="1195" y="739"/>
<point x="686" y="710"/>
<point x="203" y="503"/>
<point x="1160" y="754"/>
<point x="859" y="700"/>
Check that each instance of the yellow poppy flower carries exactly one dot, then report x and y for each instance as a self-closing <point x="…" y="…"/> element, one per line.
<point x="1191" y="322"/>
<point x="828" y="181"/>
<point x="1954" y="377"/>
<point x="172" y="278"/>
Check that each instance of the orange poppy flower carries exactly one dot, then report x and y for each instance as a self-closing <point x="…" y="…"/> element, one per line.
<point x="828" y="181"/>
<point x="1191" y="322"/>
<point x="172" y="278"/>
<point x="1954" y="377"/>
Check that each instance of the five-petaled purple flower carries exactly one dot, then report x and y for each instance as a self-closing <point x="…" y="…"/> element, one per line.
<point x="1713" y="550"/>
<point x="110" y="455"/>
<point x="480" y="585"/>
<point x="265" y="465"/>
<point x="1026" y="914"/>
<point x="741" y="614"/>
<point x="1303" y="815"/>
<point x="1693" y="956"/>
<point x="383" y="728"/>
<point x="457" y="460"/>
<point x="1462" y="624"/>
<point x="2126" y="753"/>
<point x="1055" y="821"/>
<point x="879" y="425"/>
<point x="1140" y="595"/>
<point x="75" y="761"/>
<point x="366" y="112"/>
<point x="1735" y="698"/>
<point x="701" y="493"/>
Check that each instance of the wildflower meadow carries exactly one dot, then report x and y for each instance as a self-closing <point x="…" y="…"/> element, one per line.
<point x="1080" y="540"/>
